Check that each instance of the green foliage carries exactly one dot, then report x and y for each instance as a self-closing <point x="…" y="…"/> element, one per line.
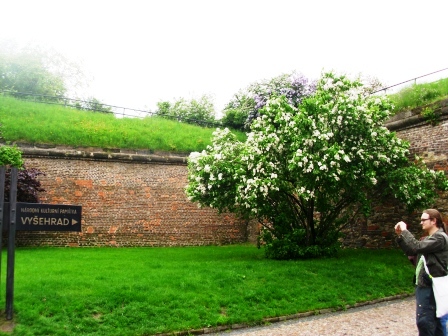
<point x="58" y="125"/>
<point x="415" y="184"/>
<point x="419" y="95"/>
<point x="29" y="71"/>
<point x="95" y="291"/>
<point x="238" y="109"/>
<point x="234" y="118"/>
<point x="306" y="171"/>
<point x="10" y="156"/>
<point x="430" y="115"/>
<point x="195" y="111"/>
<point x="293" y="245"/>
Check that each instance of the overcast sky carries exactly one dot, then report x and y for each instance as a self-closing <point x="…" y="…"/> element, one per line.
<point x="141" y="52"/>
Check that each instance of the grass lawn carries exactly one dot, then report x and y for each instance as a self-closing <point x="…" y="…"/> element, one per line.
<point x="144" y="291"/>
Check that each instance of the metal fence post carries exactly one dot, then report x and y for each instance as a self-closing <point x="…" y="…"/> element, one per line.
<point x="2" y="207"/>
<point x="11" y="244"/>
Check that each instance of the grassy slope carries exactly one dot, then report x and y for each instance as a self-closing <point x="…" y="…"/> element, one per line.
<point x="419" y="95"/>
<point x="53" y="124"/>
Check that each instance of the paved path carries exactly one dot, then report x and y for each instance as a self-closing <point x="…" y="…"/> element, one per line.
<point x="387" y="318"/>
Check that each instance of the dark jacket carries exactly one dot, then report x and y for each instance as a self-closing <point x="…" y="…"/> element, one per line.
<point x="435" y="250"/>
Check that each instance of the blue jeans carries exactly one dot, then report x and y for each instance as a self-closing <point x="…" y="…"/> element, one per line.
<point x="427" y="322"/>
<point x="444" y="321"/>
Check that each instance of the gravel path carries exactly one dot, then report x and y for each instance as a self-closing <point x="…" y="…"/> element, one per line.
<point x="387" y="318"/>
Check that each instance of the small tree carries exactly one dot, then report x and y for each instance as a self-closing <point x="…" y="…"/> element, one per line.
<point x="305" y="171"/>
<point x="28" y="186"/>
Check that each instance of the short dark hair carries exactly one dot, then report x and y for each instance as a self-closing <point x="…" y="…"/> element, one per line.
<point x="435" y="214"/>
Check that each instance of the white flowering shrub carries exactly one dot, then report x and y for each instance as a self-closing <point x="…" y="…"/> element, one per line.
<point x="304" y="171"/>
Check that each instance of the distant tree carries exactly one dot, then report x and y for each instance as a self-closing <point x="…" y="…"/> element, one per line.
<point x="29" y="71"/>
<point x="195" y="111"/>
<point x="93" y="104"/>
<point x="237" y="110"/>
<point x="45" y="74"/>
<point x="234" y="119"/>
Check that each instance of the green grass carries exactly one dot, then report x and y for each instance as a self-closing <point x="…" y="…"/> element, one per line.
<point x="143" y="291"/>
<point x="39" y="123"/>
<point x="419" y="95"/>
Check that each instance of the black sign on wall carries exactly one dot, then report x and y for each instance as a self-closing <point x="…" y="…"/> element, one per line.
<point x="46" y="217"/>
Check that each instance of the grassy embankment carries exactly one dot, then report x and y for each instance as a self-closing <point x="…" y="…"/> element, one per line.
<point x="39" y="123"/>
<point x="419" y="95"/>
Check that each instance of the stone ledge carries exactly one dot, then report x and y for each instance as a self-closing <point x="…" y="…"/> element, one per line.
<point x="414" y="118"/>
<point x="98" y="154"/>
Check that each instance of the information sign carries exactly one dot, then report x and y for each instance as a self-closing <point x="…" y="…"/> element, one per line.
<point x="46" y="217"/>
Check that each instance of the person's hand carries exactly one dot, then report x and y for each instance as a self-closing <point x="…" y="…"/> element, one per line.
<point x="400" y="227"/>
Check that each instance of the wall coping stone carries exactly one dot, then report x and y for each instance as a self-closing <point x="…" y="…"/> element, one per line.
<point x="101" y="154"/>
<point x="414" y="118"/>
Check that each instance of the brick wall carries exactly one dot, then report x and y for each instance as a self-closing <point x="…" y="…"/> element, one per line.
<point x="127" y="200"/>
<point x="137" y="198"/>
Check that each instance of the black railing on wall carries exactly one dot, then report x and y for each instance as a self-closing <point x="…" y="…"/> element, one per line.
<point x="410" y="80"/>
<point x="118" y="111"/>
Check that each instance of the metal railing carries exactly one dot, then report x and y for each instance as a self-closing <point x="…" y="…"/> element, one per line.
<point x="87" y="105"/>
<point x="408" y="81"/>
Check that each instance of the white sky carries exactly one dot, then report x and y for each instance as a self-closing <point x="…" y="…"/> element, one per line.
<point x="142" y="52"/>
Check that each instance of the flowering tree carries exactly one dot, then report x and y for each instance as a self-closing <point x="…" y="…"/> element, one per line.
<point x="304" y="171"/>
<point x="244" y="107"/>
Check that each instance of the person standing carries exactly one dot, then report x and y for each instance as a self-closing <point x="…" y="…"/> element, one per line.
<point x="435" y="249"/>
<point x="444" y="318"/>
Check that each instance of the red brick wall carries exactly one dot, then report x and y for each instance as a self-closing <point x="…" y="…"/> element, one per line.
<point x="126" y="203"/>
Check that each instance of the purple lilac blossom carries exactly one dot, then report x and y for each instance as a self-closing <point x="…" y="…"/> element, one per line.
<point x="296" y="88"/>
